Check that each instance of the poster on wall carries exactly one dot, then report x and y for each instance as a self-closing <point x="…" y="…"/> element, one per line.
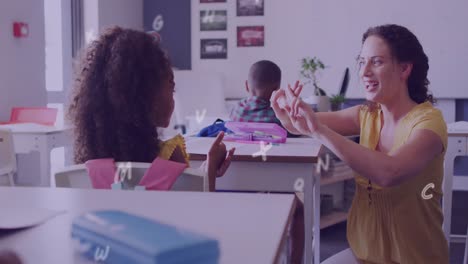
<point x="213" y="48"/>
<point x="173" y="23"/>
<point x="212" y="1"/>
<point x="213" y="20"/>
<point x="250" y="7"/>
<point x="251" y="36"/>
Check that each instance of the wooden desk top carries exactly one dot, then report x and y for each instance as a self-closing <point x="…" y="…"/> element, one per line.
<point x="295" y="150"/>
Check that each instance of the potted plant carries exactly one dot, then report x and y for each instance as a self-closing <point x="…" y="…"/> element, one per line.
<point x="310" y="69"/>
<point x="337" y="101"/>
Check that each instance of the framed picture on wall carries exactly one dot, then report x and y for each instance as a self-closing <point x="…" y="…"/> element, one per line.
<point x="213" y="48"/>
<point x="212" y="1"/>
<point x="251" y="36"/>
<point x="211" y="20"/>
<point x="250" y="7"/>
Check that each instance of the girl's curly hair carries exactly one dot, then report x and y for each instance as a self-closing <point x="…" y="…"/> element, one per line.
<point x="405" y="47"/>
<point x="115" y="98"/>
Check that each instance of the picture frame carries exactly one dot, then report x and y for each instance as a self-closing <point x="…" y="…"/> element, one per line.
<point x="250" y="36"/>
<point x="212" y="1"/>
<point x="250" y="7"/>
<point x="213" y="20"/>
<point x="215" y="48"/>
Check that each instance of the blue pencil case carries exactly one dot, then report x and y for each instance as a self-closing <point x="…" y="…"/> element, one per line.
<point x="110" y="236"/>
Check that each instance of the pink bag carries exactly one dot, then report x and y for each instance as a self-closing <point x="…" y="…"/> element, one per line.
<point x="101" y="172"/>
<point x="161" y="175"/>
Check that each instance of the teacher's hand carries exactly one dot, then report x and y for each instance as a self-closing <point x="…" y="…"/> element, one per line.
<point x="303" y="118"/>
<point x="281" y="102"/>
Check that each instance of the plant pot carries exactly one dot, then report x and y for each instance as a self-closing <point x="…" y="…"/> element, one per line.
<point x="318" y="103"/>
<point x="336" y="107"/>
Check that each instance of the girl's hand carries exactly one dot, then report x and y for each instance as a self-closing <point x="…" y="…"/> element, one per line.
<point x="218" y="158"/>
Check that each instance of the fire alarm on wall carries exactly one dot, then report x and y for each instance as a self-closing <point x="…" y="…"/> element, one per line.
<point x="20" y="30"/>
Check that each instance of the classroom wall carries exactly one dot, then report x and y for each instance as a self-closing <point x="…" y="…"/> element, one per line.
<point x="22" y="61"/>
<point x="90" y="19"/>
<point x="101" y="14"/>
<point x="338" y="27"/>
<point x="284" y="44"/>
<point x="332" y="30"/>
<point x="124" y="13"/>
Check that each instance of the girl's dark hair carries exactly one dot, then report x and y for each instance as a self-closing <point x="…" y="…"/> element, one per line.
<point x="115" y="98"/>
<point x="405" y="47"/>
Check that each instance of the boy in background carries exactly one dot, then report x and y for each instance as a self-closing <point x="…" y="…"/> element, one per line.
<point x="264" y="78"/>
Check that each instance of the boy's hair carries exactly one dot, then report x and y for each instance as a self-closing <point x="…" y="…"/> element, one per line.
<point x="265" y="76"/>
<point x="115" y="97"/>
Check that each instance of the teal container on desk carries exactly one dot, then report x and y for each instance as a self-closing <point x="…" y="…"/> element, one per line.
<point x="110" y="236"/>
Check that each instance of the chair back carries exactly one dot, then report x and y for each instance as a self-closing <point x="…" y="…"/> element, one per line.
<point x="76" y="176"/>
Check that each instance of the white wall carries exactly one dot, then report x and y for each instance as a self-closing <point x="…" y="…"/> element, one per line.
<point x="338" y="26"/>
<point x="90" y="19"/>
<point x="124" y="13"/>
<point x="332" y="30"/>
<point x="105" y="13"/>
<point x="285" y="44"/>
<point x="22" y="61"/>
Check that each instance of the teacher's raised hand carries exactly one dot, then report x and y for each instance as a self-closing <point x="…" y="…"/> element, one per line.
<point x="303" y="118"/>
<point x="281" y="102"/>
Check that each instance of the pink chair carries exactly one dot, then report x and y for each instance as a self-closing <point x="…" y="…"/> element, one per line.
<point x="39" y="115"/>
<point x="161" y="174"/>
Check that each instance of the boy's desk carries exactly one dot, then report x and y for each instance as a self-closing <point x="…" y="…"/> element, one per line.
<point x="28" y="137"/>
<point x="457" y="146"/>
<point x="288" y="167"/>
<point x="251" y="228"/>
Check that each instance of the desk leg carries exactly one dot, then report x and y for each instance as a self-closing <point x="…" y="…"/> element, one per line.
<point x="316" y="215"/>
<point x="308" y="219"/>
<point x="312" y="231"/>
<point x="44" y="161"/>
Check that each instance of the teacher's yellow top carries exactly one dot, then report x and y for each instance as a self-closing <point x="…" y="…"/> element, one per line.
<point x="403" y="223"/>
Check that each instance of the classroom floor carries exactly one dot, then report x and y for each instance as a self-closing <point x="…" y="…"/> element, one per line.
<point x="333" y="239"/>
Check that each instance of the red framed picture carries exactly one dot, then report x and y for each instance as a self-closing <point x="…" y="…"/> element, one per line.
<point x="251" y="36"/>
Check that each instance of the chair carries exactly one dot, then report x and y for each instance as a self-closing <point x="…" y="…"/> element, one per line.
<point x="39" y="115"/>
<point x="7" y="156"/>
<point x="76" y="176"/>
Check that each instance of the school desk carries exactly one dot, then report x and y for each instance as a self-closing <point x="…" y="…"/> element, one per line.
<point x="289" y="167"/>
<point x="28" y="137"/>
<point x="250" y="228"/>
